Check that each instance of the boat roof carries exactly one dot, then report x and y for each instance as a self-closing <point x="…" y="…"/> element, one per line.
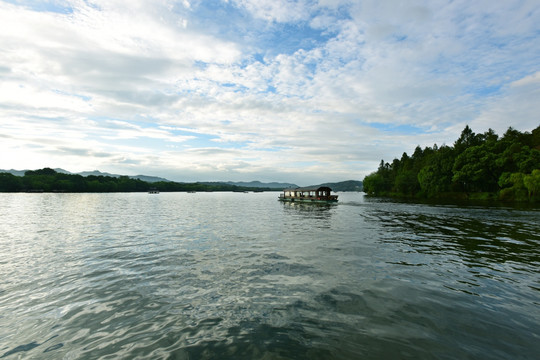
<point x="309" y="188"/>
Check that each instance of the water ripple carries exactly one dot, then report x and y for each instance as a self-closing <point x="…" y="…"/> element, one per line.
<point x="210" y="275"/>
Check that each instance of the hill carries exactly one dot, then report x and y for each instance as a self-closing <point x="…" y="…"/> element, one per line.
<point x="145" y="178"/>
<point x="349" y="185"/>
<point x="50" y="180"/>
<point x="14" y="172"/>
<point x="258" y="184"/>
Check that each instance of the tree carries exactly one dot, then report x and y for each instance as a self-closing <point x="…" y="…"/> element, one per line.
<point x="475" y="169"/>
<point x="45" y="171"/>
<point x="466" y="140"/>
<point x="10" y="183"/>
<point x="532" y="183"/>
<point x="374" y="184"/>
<point x="529" y="160"/>
<point x="125" y="184"/>
<point x="513" y="187"/>
<point x="406" y="183"/>
<point x="476" y="163"/>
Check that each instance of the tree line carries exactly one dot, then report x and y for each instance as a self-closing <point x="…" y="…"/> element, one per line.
<point x="477" y="166"/>
<point x="49" y="180"/>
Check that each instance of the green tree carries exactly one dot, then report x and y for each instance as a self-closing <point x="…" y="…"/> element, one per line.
<point x="513" y="187"/>
<point x="476" y="163"/>
<point x="406" y="183"/>
<point x="466" y="140"/>
<point x="532" y="183"/>
<point x="10" y="183"/>
<point x="125" y="184"/>
<point x="528" y="160"/>
<point x="45" y="171"/>
<point x="436" y="177"/>
<point x="475" y="169"/>
<point x="374" y="184"/>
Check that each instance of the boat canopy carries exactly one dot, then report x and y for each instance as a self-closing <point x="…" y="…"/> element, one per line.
<point x="309" y="188"/>
<point x="312" y="190"/>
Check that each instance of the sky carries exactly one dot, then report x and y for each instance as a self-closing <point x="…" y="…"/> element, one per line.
<point x="305" y="91"/>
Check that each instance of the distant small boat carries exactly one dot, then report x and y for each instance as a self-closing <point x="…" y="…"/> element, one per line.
<point x="153" y="191"/>
<point x="311" y="194"/>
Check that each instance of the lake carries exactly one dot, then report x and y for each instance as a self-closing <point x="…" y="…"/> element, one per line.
<point x="244" y="276"/>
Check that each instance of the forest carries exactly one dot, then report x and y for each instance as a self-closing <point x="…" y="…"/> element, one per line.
<point x="480" y="166"/>
<point x="48" y="180"/>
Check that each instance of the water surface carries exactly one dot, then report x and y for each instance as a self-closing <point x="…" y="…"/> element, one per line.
<point x="234" y="275"/>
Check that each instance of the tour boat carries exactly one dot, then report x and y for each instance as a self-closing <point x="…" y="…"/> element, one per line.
<point x="310" y="194"/>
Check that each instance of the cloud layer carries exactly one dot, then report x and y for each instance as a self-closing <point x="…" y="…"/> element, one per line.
<point x="280" y="90"/>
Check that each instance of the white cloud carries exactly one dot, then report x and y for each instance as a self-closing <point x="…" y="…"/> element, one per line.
<point x="276" y="10"/>
<point x="146" y="85"/>
<point x="517" y="106"/>
<point x="533" y="80"/>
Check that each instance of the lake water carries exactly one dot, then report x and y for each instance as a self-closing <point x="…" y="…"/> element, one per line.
<point x="243" y="276"/>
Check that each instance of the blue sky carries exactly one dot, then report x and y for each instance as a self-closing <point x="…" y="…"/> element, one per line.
<point x="270" y="90"/>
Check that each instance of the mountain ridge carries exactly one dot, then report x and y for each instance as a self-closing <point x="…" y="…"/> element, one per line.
<point x="145" y="178"/>
<point x="256" y="183"/>
<point x="348" y="185"/>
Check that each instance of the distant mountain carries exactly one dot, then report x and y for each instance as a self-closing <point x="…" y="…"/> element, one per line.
<point x="145" y="178"/>
<point x="150" y="179"/>
<point x="349" y="185"/>
<point x="94" y="173"/>
<point x="14" y="172"/>
<point x="270" y="185"/>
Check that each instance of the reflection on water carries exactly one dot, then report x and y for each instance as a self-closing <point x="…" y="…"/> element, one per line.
<point x="478" y="236"/>
<point x="312" y="215"/>
<point x="224" y="275"/>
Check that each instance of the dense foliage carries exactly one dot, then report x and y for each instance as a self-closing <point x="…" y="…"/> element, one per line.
<point x="478" y="166"/>
<point x="49" y="180"/>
